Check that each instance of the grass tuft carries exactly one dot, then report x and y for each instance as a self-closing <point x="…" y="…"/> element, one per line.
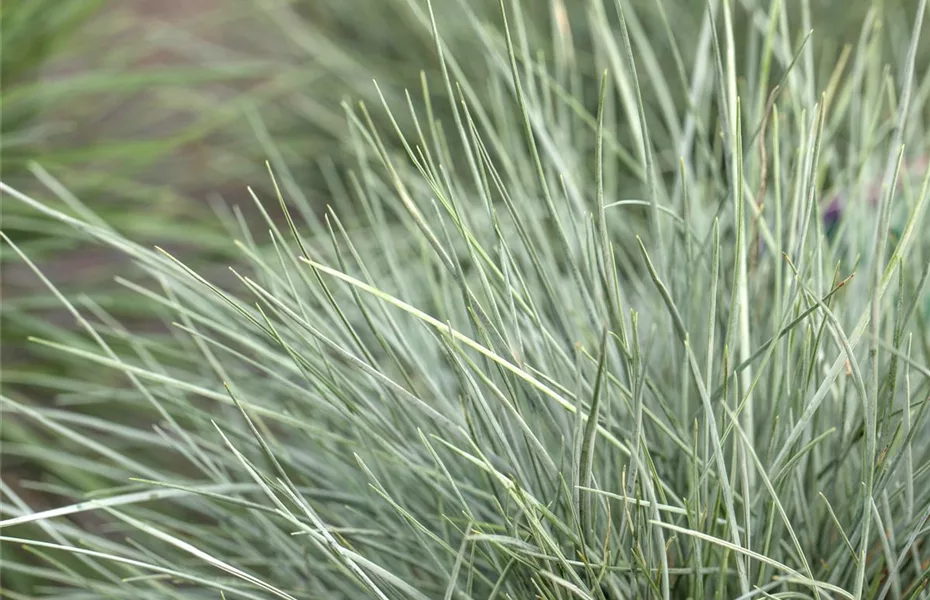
<point x="571" y="325"/>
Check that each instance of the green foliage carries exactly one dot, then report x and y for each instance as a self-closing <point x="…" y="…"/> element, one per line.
<point x="571" y="326"/>
<point x="32" y="34"/>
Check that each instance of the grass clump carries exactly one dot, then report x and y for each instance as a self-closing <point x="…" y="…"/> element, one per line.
<point x="585" y="336"/>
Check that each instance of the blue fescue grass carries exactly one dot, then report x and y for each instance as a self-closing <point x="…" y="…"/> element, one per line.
<point x="575" y="329"/>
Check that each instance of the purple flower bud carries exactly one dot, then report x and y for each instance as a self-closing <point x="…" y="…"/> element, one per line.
<point x="834" y="211"/>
